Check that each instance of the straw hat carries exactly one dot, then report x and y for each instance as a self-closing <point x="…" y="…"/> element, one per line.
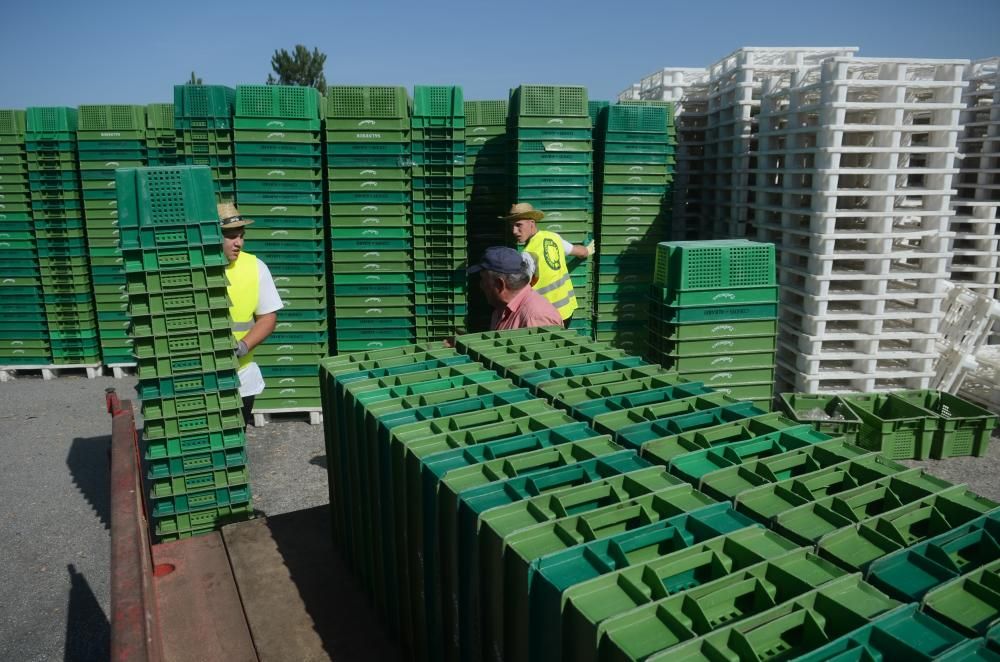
<point x="229" y="216"/>
<point x="523" y="210"/>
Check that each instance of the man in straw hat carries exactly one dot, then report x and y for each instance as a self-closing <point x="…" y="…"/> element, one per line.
<point x="253" y="302"/>
<point x="504" y="278"/>
<point x="548" y="252"/>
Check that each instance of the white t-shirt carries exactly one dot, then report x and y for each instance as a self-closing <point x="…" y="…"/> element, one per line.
<point x="268" y="301"/>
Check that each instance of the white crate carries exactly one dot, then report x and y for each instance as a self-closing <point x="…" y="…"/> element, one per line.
<point x="951" y="369"/>
<point x="982" y="385"/>
<point x="967" y="319"/>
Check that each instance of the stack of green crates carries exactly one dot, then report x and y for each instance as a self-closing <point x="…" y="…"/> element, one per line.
<point x="108" y="137"/>
<point x="279" y="185"/>
<point x="712" y="315"/>
<point x="193" y="437"/>
<point x="553" y="171"/>
<point x="486" y="192"/>
<point x="203" y="121"/>
<point x="57" y="211"/>
<point x="161" y="138"/>
<point x="371" y="233"/>
<point x="440" y="250"/>
<point x="636" y="166"/>
<point x="24" y="336"/>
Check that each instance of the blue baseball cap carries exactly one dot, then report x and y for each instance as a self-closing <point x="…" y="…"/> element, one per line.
<point x="499" y="259"/>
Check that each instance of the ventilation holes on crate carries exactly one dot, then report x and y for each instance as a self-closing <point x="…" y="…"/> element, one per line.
<point x="8" y="123"/>
<point x="166" y="196"/>
<point x="255" y="101"/>
<point x="751" y="265"/>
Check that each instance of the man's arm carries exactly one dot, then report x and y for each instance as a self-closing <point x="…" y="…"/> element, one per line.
<point x="263" y="326"/>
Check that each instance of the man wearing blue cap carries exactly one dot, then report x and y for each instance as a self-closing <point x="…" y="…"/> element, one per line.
<point x="505" y="278"/>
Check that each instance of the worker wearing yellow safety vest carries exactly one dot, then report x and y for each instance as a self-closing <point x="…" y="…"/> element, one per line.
<point x="548" y="252"/>
<point x="253" y="302"/>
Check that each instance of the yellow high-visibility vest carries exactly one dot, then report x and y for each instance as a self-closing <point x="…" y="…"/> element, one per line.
<point x="243" y="288"/>
<point x="553" y="278"/>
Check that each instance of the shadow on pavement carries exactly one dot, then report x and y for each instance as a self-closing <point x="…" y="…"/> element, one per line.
<point x="89" y="462"/>
<point x="88" y="631"/>
<point x="319" y="461"/>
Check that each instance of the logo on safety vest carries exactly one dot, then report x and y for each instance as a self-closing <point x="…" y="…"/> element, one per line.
<point x="552" y="253"/>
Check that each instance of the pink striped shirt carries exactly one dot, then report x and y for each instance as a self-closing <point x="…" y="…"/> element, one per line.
<point x="527" y="308"/>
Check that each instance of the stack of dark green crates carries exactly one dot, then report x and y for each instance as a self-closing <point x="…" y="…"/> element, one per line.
<point x="57" y="211"/>
<point x="109" y="137"/>
<point x="371" y="232"/>
<point x="636" y="165"/>
<point x="713" y="315"/>
<point x="24" y="336"/>
<point x="203" y="121"/>
<point x="553" y="171"/>
<point x="161" y="138"/>
<point x="279" y="185"/>
<point x="440" y="251"/>
<point x="486" y="192"/>
<point x="193" y="436"/>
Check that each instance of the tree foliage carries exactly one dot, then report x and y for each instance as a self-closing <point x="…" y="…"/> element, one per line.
<point x="300" y="67"/>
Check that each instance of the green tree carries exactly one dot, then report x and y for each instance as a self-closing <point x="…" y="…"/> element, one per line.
<point x="300" y="67"/>
<point x="194" y="80"/>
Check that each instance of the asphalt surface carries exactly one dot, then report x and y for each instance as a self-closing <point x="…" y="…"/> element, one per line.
<point x="54" y="507"/>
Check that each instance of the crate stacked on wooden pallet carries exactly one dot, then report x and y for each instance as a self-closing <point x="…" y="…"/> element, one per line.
<point x="371" y="230"/>
<point x="203" y="121"/>
<point x="487" y="197"/>
<point x="976" y="251"/>
<point x="193" y="438"/>
<point x="161" y="137"/>
<point x="109" y="137"/>
<point x="735" y="84"/>
<point x="279" y="185"/>
<point x="57" y="211"/>
<point x="552" y="169"/>
<point x="24" y="339"/>
<point x="440" y="250"/>
<point x="713" y="315"/>
<point x="855" y="170"/>
<point x="635" y="178"/>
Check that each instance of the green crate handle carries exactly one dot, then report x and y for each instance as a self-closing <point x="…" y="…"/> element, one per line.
<point x="570" y="477"/>
<point x="594" y="524"/>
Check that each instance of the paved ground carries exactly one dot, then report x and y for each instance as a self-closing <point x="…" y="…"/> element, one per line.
<point x="54" y="536"/>
<point x="54" y="510"/>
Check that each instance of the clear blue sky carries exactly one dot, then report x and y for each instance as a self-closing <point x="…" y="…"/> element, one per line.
<point x="72" y="53"/>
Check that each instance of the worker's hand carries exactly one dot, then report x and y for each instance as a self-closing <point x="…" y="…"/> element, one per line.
<point x="590" y="248"/>
<point x="242" y="350"/>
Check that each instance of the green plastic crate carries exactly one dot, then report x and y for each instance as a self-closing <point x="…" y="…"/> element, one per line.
<point x="203" y="101"/>
<point x="367" y="102"/>
<point x="12" y="123"/>
<point x="690" y="265"/>
<point x="826" y="413"/>
<point x="892" y="425"/>
<point x="277" y="101"/>
<point x="970" y="604"/>
<point x="112" y="118"/>
<point x="486" y="113"/>
<point x="49" y="120"/>
<point x="963" y="428"/>
<point x="550" y="101"/>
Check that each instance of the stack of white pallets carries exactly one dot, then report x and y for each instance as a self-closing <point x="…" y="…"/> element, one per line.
<point x="976" y="253"/>
<point x="734" y="94"/>
<point x="630" y="93"/>
<point x="854" y="182"/>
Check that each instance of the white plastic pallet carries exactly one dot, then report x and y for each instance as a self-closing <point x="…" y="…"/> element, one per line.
<point x="312" y="415"/>
<point x="90" y="370"/>
<point x="856" y="343"/>
<point x="120" y="370"/>
<point x="851" y="382"/>
<point x="811" y="325"/>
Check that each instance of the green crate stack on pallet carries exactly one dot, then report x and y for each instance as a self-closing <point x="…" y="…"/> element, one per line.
<point x="108" y="137"/>
<point x="440" y="245"/>
<point x="371" y="230"/>
<point x="57" y="211"/>
<point x="713" y="312"/>
<point x="193" y="438"/>
<point x="161" y="138"/>
<point x="279" y="184"/>
<point x="203" y="122"/>
<point x="486" y="192"/>
<point x="636" y="165"/>
<point x="24" y="338"/>
<point x="553" y="171"/>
